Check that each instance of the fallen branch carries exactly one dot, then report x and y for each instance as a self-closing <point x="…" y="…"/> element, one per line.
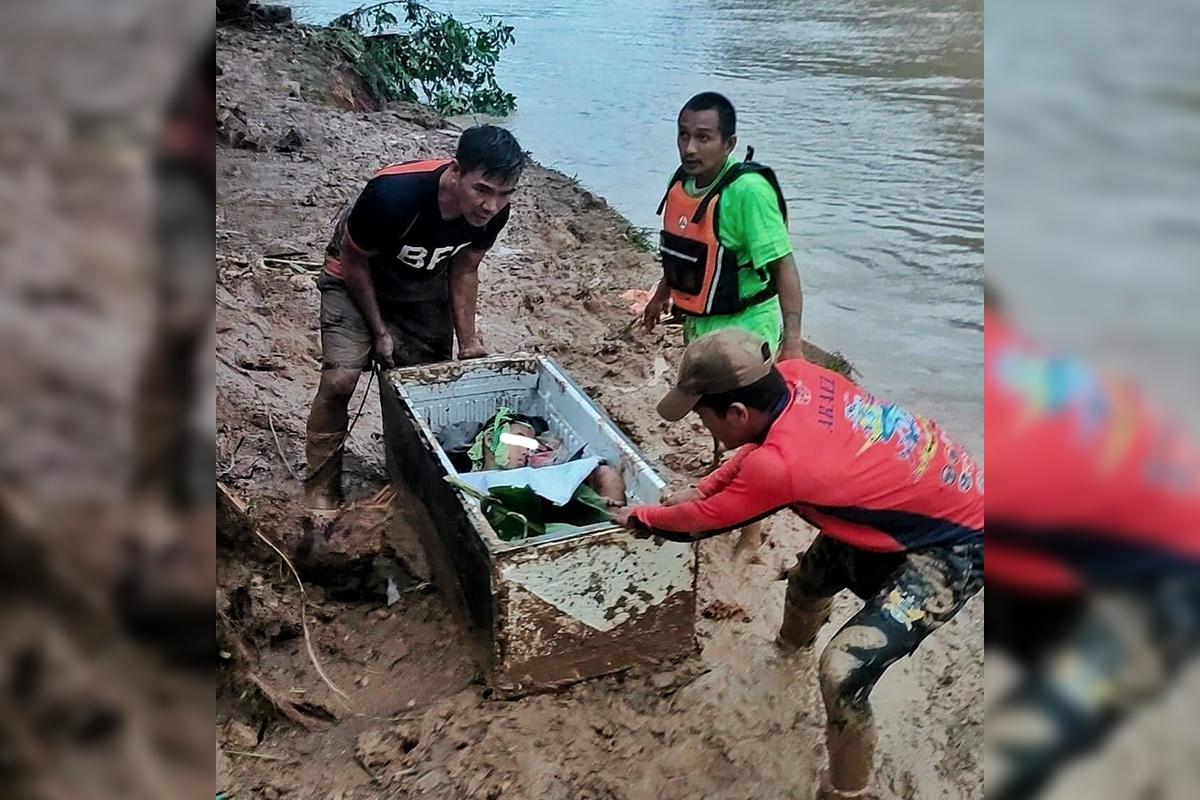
<point x="380" y="501"/>
<point x="363" y="766"/>
<point x="301" y="713"/>
<point x="263" y="756"/>
<point x="302" y="267"/>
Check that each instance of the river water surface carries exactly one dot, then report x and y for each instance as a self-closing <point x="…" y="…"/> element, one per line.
<point x="871" y="113"/>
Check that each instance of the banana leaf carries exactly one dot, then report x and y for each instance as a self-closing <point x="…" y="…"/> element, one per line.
<point x="597" y="505"/>
<point x="517" y="513"/>
<point x="522" y="500"/>
<point x="510" y="525"/>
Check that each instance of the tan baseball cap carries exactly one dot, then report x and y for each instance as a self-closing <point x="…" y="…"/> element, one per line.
<point x="717" y="362"/>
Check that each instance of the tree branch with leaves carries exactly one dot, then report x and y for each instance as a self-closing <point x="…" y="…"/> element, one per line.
<point x="405" y="51"/>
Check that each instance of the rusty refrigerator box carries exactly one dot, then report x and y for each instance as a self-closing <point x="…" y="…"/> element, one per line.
<point x="560" y="607"/>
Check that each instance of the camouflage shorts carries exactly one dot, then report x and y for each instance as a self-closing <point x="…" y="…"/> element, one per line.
<point x="907" y="597"/>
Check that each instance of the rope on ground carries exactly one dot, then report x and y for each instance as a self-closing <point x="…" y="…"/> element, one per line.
<point x="314" y="471"/>
<point x="232" y="458"/>
<point x="279" y="448"/>
<point x="308" y="645"/>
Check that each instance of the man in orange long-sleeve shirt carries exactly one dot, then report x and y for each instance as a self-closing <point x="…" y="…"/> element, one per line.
<point x="899" y="506"/>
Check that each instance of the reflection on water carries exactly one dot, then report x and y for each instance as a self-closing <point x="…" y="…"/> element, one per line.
<point x="870" y="112"/>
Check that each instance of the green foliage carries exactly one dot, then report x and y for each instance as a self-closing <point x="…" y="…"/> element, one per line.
<point x="644" y="239"/>
<point x="840" y="364"/>
<point x="517" y="513"/>
<point x="428" y="57"/>
<point x="591" y="507"/>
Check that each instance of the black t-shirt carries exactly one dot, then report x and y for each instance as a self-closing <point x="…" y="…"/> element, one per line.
<point x="397" y="214"/>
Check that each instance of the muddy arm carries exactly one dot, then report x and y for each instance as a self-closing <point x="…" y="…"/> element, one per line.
<point x="791" y="303"/>
<point x="758" y="485"/>
<point x="356" y="271"/>
<point x="464" y="298"/>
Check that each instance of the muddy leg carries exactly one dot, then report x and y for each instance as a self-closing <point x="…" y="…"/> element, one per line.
<point x="750" y="540"/>
<point x="327" y="423"/>
<point x="811" y="585"/>
<point x="1076" y="689"/>
<point x="608" y="483"/>
<point x="847" y="675"/>
<point x="802" y="621"/>
<point x="926" y="591"/>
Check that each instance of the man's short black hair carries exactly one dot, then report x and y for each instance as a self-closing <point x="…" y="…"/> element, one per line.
<point x="764" y="395"/>
<point x="712" y="101"/>
<point x="491" y="150"/>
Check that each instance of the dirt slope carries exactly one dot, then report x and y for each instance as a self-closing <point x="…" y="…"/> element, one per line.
<point x="736" y="721"/>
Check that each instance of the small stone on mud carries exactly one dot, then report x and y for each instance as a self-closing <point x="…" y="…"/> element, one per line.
<point x="304" y="282"/>
<point x="719" y="609"/>
<point x="240" y="735"/>
<point x="606" y="730"/>
<point x="372" y="749"/>
<point x="292" y="141"/>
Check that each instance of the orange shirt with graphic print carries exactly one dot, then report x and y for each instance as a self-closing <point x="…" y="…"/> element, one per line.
<point x="863" y="470"/>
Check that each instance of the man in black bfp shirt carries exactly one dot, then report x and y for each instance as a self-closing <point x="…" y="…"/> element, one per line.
<point x="401" y="279"/>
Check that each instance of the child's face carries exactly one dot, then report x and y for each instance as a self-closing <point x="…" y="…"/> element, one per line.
<point x="519" y="456"/>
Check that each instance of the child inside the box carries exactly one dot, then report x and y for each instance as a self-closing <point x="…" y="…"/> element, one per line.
<point x="509" y="440"/>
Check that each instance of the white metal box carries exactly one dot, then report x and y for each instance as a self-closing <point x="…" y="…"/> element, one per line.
<point x="558" y="608"/>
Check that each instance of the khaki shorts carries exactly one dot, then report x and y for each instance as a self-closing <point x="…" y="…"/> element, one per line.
<point x="422" y="333"/>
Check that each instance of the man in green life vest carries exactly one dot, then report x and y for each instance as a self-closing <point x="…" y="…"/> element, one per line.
<point x="726" y="254"/>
